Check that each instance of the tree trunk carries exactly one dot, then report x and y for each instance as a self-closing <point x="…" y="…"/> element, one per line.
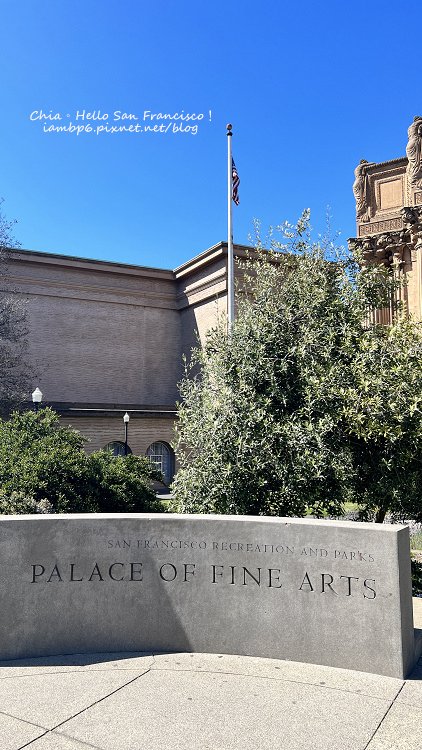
<point x="380" y="515"/>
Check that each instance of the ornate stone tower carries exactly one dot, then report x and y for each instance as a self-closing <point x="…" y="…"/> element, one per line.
<point x="389" y="219"/>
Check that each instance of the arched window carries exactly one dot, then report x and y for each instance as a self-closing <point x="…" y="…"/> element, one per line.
<point x="162" y="456"/>
<point x="117" y="448"/>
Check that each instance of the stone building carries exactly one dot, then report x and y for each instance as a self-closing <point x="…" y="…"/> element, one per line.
<point x="108" y="338"/>
<point x="389" y="220"/>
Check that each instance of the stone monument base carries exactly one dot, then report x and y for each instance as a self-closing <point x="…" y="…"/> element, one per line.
<point x="324" y="592"/>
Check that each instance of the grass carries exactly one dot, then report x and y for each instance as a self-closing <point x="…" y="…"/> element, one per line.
<point x="351" y="507"/>
<point x="416" y="541"/>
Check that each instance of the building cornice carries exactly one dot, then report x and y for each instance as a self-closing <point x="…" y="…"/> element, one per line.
<point x="74" y="262"/>
<point x="135" y="411"/>
<point x="99" y="293"/>
<point x="70" y="261"/>
<point x="208" y="256"/>
<point x="399" y="161"/>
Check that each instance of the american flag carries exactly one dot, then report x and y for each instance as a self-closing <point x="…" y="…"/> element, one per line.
<point x="235" y="183"/>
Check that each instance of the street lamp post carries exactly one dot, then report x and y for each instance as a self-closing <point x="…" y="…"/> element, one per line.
<point x="36" y="398"/>
<point x="126" y="422"/>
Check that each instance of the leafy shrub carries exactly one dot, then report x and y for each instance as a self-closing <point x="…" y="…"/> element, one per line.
<point x="122" y="484"/>
<point x="44" y="465"/>
<point x="18" y="504"/>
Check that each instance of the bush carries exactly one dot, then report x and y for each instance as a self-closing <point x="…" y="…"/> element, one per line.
<point x="122" y="484"/>
<point x="44" y="465"/>
<point x="18" y="504"/>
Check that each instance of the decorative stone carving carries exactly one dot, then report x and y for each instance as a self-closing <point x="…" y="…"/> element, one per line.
<point x="412" y="222"/>
<point x="360" y="186"/>
<point x="414" y="154"/>
<point x="377" y="227"/>
<point x="388" y="247"/>
<point x="384" y="244"/>
<point x="410" y="216"/>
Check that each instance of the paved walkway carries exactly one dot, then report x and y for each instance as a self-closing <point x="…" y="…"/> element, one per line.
<point x="203" y="702"/>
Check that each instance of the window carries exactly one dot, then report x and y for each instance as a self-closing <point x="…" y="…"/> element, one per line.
<point x="161" y="455"/>
<point x="117" y="448"/>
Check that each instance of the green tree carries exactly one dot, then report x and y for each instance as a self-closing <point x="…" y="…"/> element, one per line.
<point x="15" y="375"/>
<point x="304" y="406"/>
<point x="44" y="468"/>
<point x="383" y="412"/>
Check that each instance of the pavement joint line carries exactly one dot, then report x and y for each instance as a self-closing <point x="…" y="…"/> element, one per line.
<point x="279" y="679"/>
<point x="384" y="717"/>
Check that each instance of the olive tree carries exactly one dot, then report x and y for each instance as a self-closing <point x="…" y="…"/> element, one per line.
<point x="304" y="405"/>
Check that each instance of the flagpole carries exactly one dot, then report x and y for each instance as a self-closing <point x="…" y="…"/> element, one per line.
<point x="230" y="259"/>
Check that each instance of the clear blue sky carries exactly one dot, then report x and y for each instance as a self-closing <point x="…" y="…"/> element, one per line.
<point x="310" y="88"/>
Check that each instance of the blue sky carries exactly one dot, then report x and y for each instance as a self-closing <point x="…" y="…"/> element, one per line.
<point x="310" y="88"/>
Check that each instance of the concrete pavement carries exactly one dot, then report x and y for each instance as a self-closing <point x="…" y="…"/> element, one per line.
<point x="204" y="702"/>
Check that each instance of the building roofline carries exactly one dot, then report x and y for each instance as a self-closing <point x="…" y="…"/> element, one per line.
<point x="206" y="256"/>
<point x="398" y="160"/>
<point x="199" y="260"/>
<point x="78" y="262"/>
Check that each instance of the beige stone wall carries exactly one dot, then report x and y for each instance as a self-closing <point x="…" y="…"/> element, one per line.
<point x="142" y="431"/>
<point x="199" y="319"/>
<point x="101" y="333"/>
<point x="107" y="333"/>
<point x="104" y="352"/>
<point x="202" y="293"/>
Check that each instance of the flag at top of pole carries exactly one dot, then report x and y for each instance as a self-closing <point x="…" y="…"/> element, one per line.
<point x="233" y="182"/>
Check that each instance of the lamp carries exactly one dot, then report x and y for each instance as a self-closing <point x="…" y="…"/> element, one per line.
<point x="126" y="422"/>
<point x="36" y="398"/>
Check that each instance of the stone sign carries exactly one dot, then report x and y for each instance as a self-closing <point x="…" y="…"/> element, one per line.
<point x="334" y="593"/>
